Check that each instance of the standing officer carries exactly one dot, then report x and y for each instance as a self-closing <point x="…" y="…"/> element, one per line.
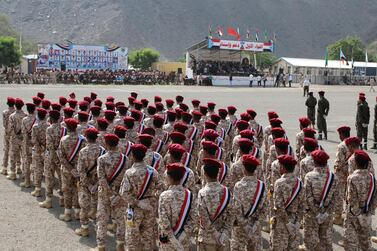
<point x="322" y="112"/>
<point x="362" y="121"/>
<point x="311" y="102"/>
<point x="6" y="113"/>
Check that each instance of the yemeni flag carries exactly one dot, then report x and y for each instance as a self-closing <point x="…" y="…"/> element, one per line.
<point x="327" y="57"/>
<point x="232" y="32"/>
<point x="220" y="31"/>
<point x="275" y="36"/>
<point x="209" y="31"/>
<point x="247" y="34"/>
<point x="366" y="56"/>
<point x="265" y="35"/>
<point x="342" y="57"/>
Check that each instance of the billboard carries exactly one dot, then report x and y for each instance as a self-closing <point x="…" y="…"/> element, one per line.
<point x="81" y="57"/>
<point x="240" y="45"/>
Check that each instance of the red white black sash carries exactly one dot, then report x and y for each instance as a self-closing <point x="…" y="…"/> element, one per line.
<point x="223" y="133"/>
<point x="372" y="189"/>
<point x="166" y="137"/>
<point x="295" y="192"/>
<point x="259" y="130"/>
<point x="255" y="152"/>
<point x="190" y="146"/>
<point x="63" y="132"/>
<point x="102" y="152"/>
<point x="127" y="150"/>
<point x="219" y="142"/>
<point x="326" y="188"/>
<point x="235" y="121"/>
<point x="76" y="149"/>
<point x="156" y="160"/>
<point x="257" y="198"/>
<point x="141" y="127"/>
<point x="165" y="119"/>
<point x="193" y="133"/>
<point x="185" y="177"/>
<point x="223" y="204"/>
<point x="146" y="183"/>
<point x="290" y="150"/>
<point x="31" y="126"/>
<point x="183" y="214"/>
<point x="186" y="160"/>
<point x="219" y="153"/>
<point x="118" y="169"/>
<point x="159" y="145"/>
<point x="223" y="172"/>
<point x="229" y="128"/>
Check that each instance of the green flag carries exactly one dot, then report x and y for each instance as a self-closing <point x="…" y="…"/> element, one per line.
<point x="327" y="57"/>
<point x="265" y="35"/>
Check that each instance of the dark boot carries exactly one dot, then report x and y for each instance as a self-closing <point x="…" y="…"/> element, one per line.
<point x="374" y="146"/>
<point x="365" y="146"/>
<point x="320" y="136"/>
<point x="325" y="135"/>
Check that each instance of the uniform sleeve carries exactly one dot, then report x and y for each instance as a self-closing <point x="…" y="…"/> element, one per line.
<point x="160" y="186"/>
<point x="228" y="223"/>
<point x="82" y="170"/>
<point x="204" y="220"/>
<point x="339" y="163"/>
<point x="279" y="203"/>
<point x="237" y="208"/>
<point x="62" y="155"/>
<point x="336" y="198"/>
<point x="127" y="191"/>
<point x="102" y="179"/>
<point x="49" y="140"/>
<point x="33" y="136"/>
<point x="309" y="197"/>
<point x="164" y="214"/>
<point x="352" y="197"/>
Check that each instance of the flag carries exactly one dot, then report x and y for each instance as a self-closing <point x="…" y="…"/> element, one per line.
<point x="220" y="31"/>
<point x="209" y="31"/>
<point x="232" y="32"/>
<point x="247" y="34"/>
<point x="275" y="36"/>
<point x="265" y="35"/>
<point x="256" y="36"/>
<point x="327" y="57"/>
<point x="342" y="57"/>
<point x="366" y="56"/>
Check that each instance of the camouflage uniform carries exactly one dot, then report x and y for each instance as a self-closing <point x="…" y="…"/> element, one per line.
<point x="318" y="235"/>
<point x="341" y="171"/>
<point x="109" y="200"/>
<point x="155" y="159"/>
<point x="209" y="198"/>
<point x="132" y="135"/>
<point x="169" y="209"/>
<point x="299" y="143"/>
<point x="26" y="128"/>
<point x="375" y="128"/>
<point x="236" y="171"/>
<point x="14" y="126"/>
<point x="140" y="234"/>
<point x="258" y="132"/>
<point x="7" y="133"/>
<point x="38" y="139"/>
<point x="357" y="224"/>
<point x="306" y="165"/>
<point x="281" y="239"/>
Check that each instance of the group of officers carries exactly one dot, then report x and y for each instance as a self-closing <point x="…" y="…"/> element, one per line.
<point x="163" y="176"/>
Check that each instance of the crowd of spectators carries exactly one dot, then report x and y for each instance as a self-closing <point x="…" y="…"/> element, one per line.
<point x="224" y="68"/>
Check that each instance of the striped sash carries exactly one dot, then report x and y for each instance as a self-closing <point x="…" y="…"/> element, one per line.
<point x="166" y="137"/>
<point x="259" y="130"/>
<point x="219" y="142"/>
<point x="193" y="133"/>
<point x="185" y="177"/>
<point x="223" y="133"/>
<point x="372" y="189"/>
<point x="190" y="147"/>
<point x="295" y="192"/>
<point x="118" y="169"/>
<point x="141" y="127"/>
<point x="290" y="150"/>
<point x="229" y="129"/>
<point x="102" y="152"/>
<point x="156" y="159"/>
<point x="77" y="147"/>
<point x="63" y="132"/>
<point x="146" y="183"/>
<point x="219" y="153"/>
<point x="186" y="160"/>
<point x="223" y="172"/>
<point x="223" y="204"/>
<point x="326" y="188"/>
<point x="127" y="150"/>
<point x="255" y="152"/>
<point x="257" y="198"/>
<point x="159" y="146"/>
<point x="183" y="214"/>
<point x="31" y="126"/>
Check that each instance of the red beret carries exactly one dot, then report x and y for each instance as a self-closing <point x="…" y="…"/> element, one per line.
<point x="72" y="95"/>
<point x="111" y="139"/>
<point x="158" y="119"/>
<point x="120" y="129"/>
<point x="71" y="123"/>
<point x="171" y="113"/>
<point x="179" y="98"/>
<point x="41" y="112"/>
<point x="272" y="115"/>
<point x="320" y="157"/>
<point x="92" y="131"/>
<point x="343" y="129"/>
<point x="119" y="103"/>
<point x="277" y="132"/>
<point x="176" y="148"/>
<point x="245" y="116"/>
<point x="88" y="99"/>
<point x="159" y="106"/>
<point x="122" y="109"/>
<point x="249" y="159"/>
<point x="110" y="105"/>
<point x="102" y="122"/>
<point x="145" y="137"/>
<point x="72" y="102"/>
<point x="110" y="114"/>
<point x="54" y="114"/>
<point x="68" y="111"/>
<point x="209" y="145"/>
<point x="212" y="163"/>
<point x="321" y="92"/>
<point x="144" y="101"/>
<point x="83" y="103"/>
<point x="131" y="100"/>
<point x="287" y="160"/>
<point x="195" y="102"/>
<point x="149" y="130"/>
<point x="186" y="116"/>
<point x="19" y="102"/>
<point x="136" y="113"/>
<point x="211" y="105"/>
<point x="304" y="121"/>
<point x="169" y="102"/>
<point x="128" y="119"/>
<point x="203" y="109"/>
<point x="83" y="115"/>
<point x="184" y="107"/>
<point x="361" y="157"/>
<point x="223" y="113"/>
<point x="138" y="103"/>
<point x="151" y="109"/>
<point x="136" y="148"/>
<point x="352" y="141"/>
<point x="281" y="143"/>
<point x="361" y="94"/>
<point x="63" y="100"/>
<point x="157" y="99"/>
<point x="196" y="113"/>
<point x="56" y="106"/>
<point x="10" y="101"/>
<point x="275" y="122"/>
<point x="242" y="125"/>
<point x="98" y="102"/>
<point x="177" y="136"/>
<point x="248" y="134"/>
<point x="362" y="98"/>
<point x="178" y="111"/>
<point x="245" y="142"/>
<point x="309" y="132"/>
<point x="95" y="108"/>
<point x="110" y="99"/>
<point x="210" y="134"/>
<point x="232" y="109"/>
<point x="311" y="142"/>
<point x="93" y="95"/>
<point x="41" y="95"/>
<point x="181" y="127"/>
<point x="134" y="95"/>
<point x="176" y="167"/>
<point x="37" y="100"/>
<point x="215" y="118"/>
<point x="252" y="113"/>
<point x="209" y="124"/>
<point x="46" y="103"/>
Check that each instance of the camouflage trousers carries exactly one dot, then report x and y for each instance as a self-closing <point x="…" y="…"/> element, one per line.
<point x="339" y="206"/>
<point x="38" y="161"/>
<point x="52" y="166"/>
<point x="69" y="186"/>
<point x="141" y="235"/>
<point x="86" y="199"/>
<point x="26" y="161"/>
<point x="241" y="241"/>
<point x="104" y="210"/>
<point x="6" y="151"/>
<point x="15" y="153"/>
<point x="281" y="240"/>
<point x="318" y="237"/>
<point x="210" y="247"/>
<point x="356" y="234"/>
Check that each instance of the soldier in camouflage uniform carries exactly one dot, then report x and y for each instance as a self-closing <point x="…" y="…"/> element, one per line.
<point x="237" y="168"/>
<point x="304" y="123"/>
<point x="321" y="195"/>
<point x="311" y="103"/>
<point x="362" y="121"/>
<point x="306" y="164"/>
<point x="26" y="128"/>
<point x="14" y="127"/>
<point x="6" y="145"/>
<point x="322" y="112"/>
<point x="246" y="232"/>
<point x="361" y="204"/>
<point x="38" y="140"/>
<point x="176" y="212"/>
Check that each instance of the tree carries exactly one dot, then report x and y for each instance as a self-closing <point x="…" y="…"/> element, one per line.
<point x="9" y="54"/>
<point x="265" y="60"/>
<point x="182" y="59"/>
<point x="143" y="58"/>
<point x="349" y="45"/>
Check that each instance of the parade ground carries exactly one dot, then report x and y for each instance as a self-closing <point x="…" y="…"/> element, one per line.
<point x="26" y="226"/>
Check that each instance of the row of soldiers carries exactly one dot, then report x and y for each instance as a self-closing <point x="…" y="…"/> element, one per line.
<point x="165" y="177"/>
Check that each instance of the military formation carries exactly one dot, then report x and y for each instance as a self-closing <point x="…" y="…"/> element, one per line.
<point x="165" y="175"/>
